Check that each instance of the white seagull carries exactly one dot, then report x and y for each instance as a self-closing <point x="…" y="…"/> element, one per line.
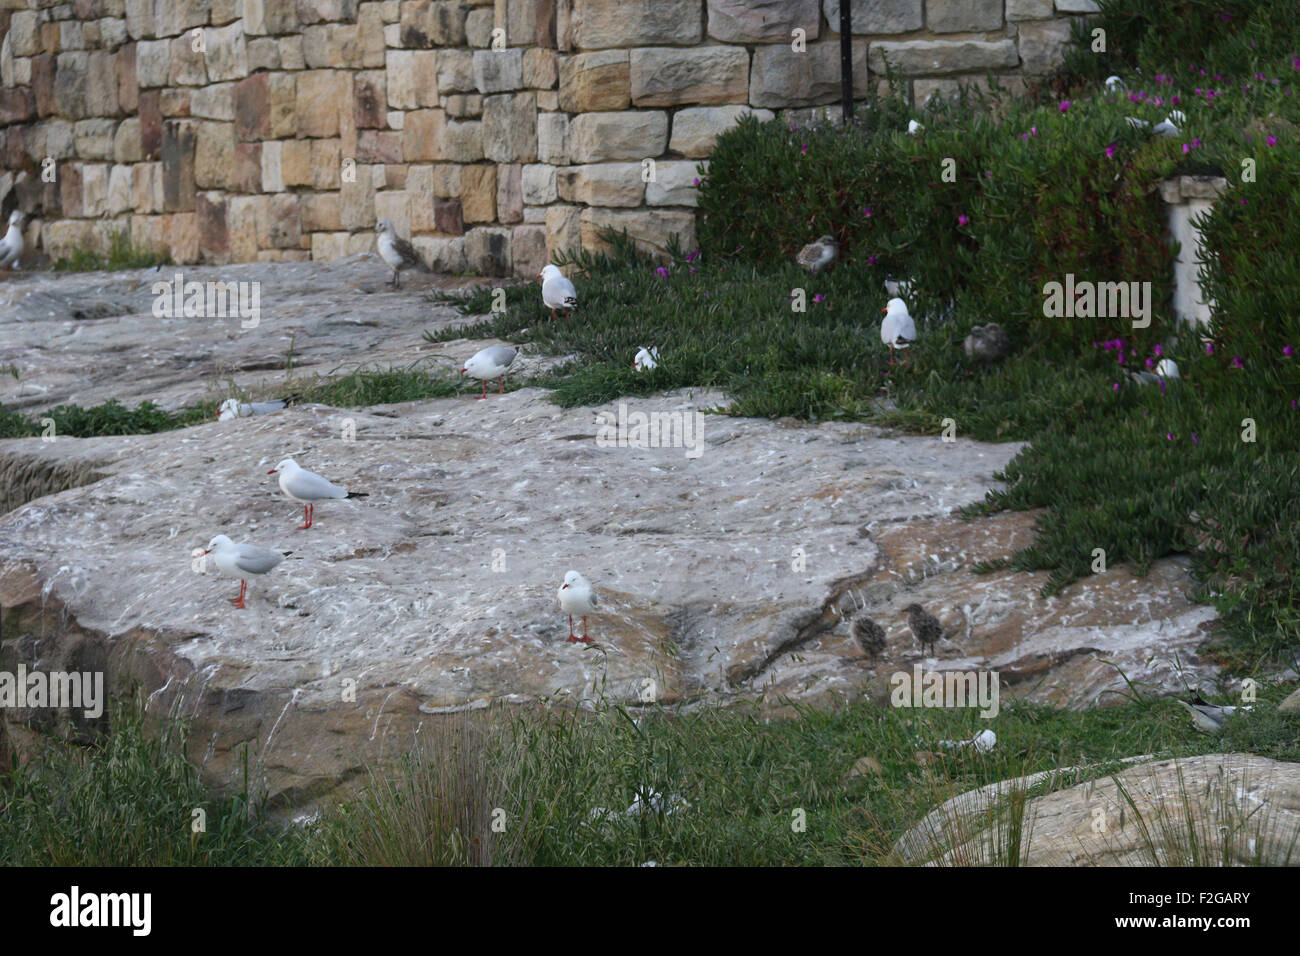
<point x="234" y="408"/>
<point x="303" y="485"/>
<point x="897" y="330"/>
<point x="913" y="127"/>
<point x="491" y="362"/>
<point x="396" y="251"/>
<point x="1167" y="368"/>
<point x="11" y="246"/>
<point x="1209" y="718"/>
<point x="557" y="291"/>
<point x="241" y="560"/>
<point x="577" y="597"/>
<point x="646" y="359"/>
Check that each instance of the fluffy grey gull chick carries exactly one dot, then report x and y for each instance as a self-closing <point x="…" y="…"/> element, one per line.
<point x="11" y="246"/>
<point x="557" y="291"/>
<point x="577" y="597"/>
<point x="924" y="625"/>
<point x="818" y="255"/>
<point x="897" y="330"/>
<point x="869" y="635"/>
<point x="396" y="251"/>
<point x="491" y="362"/>
<point x="241" y="560"/>
<point x="307" y="486"/>
<point x="987" y="343"/>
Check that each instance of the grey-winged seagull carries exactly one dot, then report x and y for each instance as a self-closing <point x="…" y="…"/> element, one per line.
<point x="897" y="330"/>
<point x="234" y="408"/>
<point x="491" y="362"/>
<point x="307" y="486"/>
<point x="241" y="560"/>
<point x="557" y="291"/>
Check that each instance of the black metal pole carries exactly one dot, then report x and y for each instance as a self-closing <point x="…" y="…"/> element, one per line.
<point x="846" y="58"/>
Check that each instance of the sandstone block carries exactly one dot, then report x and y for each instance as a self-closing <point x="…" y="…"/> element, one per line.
<point x="510" y="127"/>
<point x="595" y="81"/>
<point x="763" y="21"/>
<point x="601" y="184"/>
<point x="598" y="137"/>
<point x="667" y="76"/>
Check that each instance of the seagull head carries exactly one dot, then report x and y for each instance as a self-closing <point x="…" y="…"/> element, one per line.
<point x="16" y="218"/>
<point x="571" y="580"/>
<point x="219" y="543"/>
<point x="912" y="609"/>
<point x="549" y="272"/>
<point x="383" y="226"/>
<point x="229" y="409"/>
<point x="895" y="306"/>
<point x="287" y="465"/>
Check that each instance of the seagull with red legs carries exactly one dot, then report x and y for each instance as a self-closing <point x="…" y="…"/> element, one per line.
<point x="491" y="363"/>
<point x="307" y="486"/>
<point x="241" y="560"/>
<point x="557" y="291"/>
<point x="577" y="597"/>
<point x="897" y="330"/>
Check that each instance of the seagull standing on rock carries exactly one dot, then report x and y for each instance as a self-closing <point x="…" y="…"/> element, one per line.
<point x="897" y="330"/>
<point x="491" y="362"/>
<point x="557" y="291"/>
<point x="818" y="255"/>
<point x="303" y="485"/>
<point x="241" y="560"/>
<point x="11" y="246"/>
<point x="396" y="251"/>
<point x="924" y="625"/>
<point x="577" y="597"/>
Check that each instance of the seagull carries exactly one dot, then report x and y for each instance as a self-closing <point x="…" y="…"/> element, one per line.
<point x="1209" y="718"/>
<point x="396" y="251"/>
<point x="1169" y="126"/>
<point x="11" y="246"/>
<point x="302" y="485"/>
<point x="897" y="330"/>
<point x="646" y="359"/>
<point x="241" y="560"/>
<point x="577" y="597"/>
<point x="557" y="291"/>
<point x="1167" y="368"/>
<point x="924" y="625"/>
<point x="234" y="408"/>
<point x="491" y="362"/>
<point x="818" y="255"/>
<point x="869" y="635"/>
<point x="897" y="287"/>
<point x="1114" y="83"/>
<point x="988" y="343"/>
<point x="913" y="127"/>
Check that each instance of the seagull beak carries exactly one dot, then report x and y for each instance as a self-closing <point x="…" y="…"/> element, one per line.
<point x="271" y="472"/>
<point x="539" y="275"/>
<point x="209" y="551"/>
<point x="563" y="586"/>
<point x="462" y="371"/>
<point x="884" y="310"/>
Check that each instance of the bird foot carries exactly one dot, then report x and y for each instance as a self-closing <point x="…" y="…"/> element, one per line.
<point x="580" y="640"/>
<point x="303" y="527"/>
<point x="239" y="603"/>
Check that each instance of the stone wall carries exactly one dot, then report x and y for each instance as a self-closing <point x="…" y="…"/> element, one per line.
<point x="494" y="132"/>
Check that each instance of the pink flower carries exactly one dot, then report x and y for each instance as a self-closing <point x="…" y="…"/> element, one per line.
<point x="866" y="211"/>
<point x="804" y="149"/>
<point x="1195" y="440"/>
<point x="1272" y="141"/>
<point x="662" y="272"/>
<point x="1237" y="362"/>
<point x="1209" y="348"/>
<point x="1065" y="105"/>
<point x="695" y="181"/>
<point x="1159" y="350"/>
<point x="871" y="260"/>
<point x="1115" y="386"/>
<point x="1243" y="202"/>
<point x="1295" y="64"/>
<point x="1187" y="148"/>
<point x="1169" y="436"/>
<point x="818" y="297"/>
<point x="962" y="219"/>
<point x="1033" y="131"/>
<point x="1025" y="137"/>
<point x="1110" y="151"/>
<point x="1151" y="363"/>
<point x="1288" y="351"/>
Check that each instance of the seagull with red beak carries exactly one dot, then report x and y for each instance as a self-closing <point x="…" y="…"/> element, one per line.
<point x="307" y="486"/>
<point x="897" y="330"/>
<point x="557" y="291"/>
<point x="491" y="363"/>
<point x="241" y="560"/>
<point x="577" y="597"/>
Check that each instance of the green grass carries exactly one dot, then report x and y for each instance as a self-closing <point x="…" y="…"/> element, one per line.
<point x="122" y="254"/>
<point x="128" y="800"/>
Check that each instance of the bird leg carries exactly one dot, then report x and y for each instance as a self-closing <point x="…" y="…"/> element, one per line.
<point x="501" y="385"/>
<point x="397" y="276"/>
<point x="585" y="639"/>
<point x="891" y="355"/>
<point x="552" y="315"/>
<point x="243" y="589"/>
<point x="571" y="634"/>
<point x="907" y="356"/>
<point x="484" y="395"/>
<point x="308" y="513"/>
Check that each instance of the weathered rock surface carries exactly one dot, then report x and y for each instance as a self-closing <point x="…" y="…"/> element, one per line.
<point x="1245" y="809"/>
<point x="438" y="591"/>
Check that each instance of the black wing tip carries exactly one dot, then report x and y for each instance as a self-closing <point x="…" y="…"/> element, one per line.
<point x="358" y="494"/>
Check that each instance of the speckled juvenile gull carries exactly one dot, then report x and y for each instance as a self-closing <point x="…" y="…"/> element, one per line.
<point x="818" y="255"/>
<point x="396" y="251"/>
